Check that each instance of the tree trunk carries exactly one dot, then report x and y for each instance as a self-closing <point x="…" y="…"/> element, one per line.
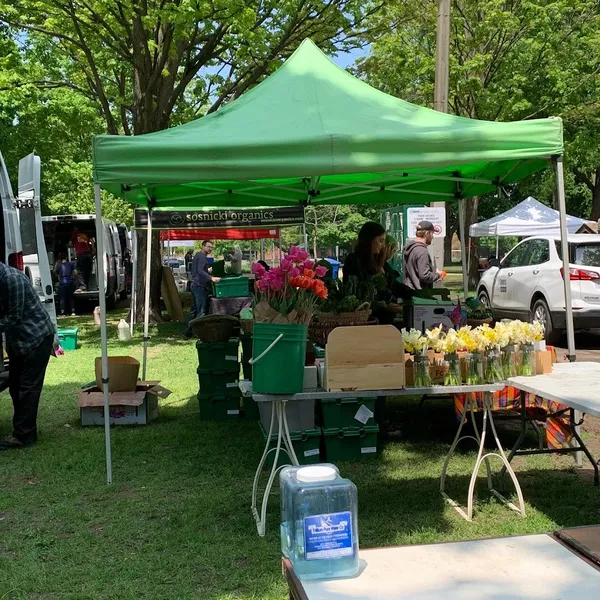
<point x="448" y="246"/>
<point x="155" y="277"/>
<point x="595" y="203"/>
<point x="471" y="211"/>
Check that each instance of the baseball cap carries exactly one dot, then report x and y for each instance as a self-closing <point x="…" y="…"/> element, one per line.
<point x="425" y="226"/>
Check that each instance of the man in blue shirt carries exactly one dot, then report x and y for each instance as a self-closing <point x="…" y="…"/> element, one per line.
<point x="201" y="278"/>
<point x="29" y="334"/>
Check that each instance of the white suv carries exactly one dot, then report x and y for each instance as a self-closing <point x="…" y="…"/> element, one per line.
<point x="528" y="284"/>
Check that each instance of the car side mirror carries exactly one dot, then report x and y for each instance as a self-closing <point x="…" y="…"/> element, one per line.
<point x="494" y="262"/>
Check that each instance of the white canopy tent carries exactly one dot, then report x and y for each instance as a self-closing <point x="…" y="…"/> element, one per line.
<point x="527" y="218"/>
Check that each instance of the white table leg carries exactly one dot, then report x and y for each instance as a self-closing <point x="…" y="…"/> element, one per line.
<point x="481" y="457"/>
<point x="283" y="435"/>
<point x="469" y="407"/>
<point x="488" y="417"/>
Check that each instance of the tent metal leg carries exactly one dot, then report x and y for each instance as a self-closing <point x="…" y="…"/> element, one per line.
<point x="103" y="333"/>
<point x="147" y="293"/>
<point x="564" y="245"/>
<point x="463" y="245"/>
<point x="134" y="258"/>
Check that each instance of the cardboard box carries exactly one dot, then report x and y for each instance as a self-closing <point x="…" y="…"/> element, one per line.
<point x="543" y="362"/>
<point x="409" y="373"/>
<point x="138" y="407"/>
<point x="123" y="372"/>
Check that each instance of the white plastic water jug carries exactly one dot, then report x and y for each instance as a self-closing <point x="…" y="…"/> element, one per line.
<point x="319" y="526"/>
<point x="124" y="332"/>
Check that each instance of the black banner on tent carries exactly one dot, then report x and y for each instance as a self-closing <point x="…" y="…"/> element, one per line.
<point x="234" y="219"/>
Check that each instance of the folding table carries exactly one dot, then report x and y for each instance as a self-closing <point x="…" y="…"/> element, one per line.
<point x="531" y="567"/>
<point x="575" y="385"/>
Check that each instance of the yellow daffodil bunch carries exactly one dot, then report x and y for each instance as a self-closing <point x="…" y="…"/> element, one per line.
<point x="452" y="342"/>
<point x="435" y="339"/>
<point x="414" y="342"/>
<point x="465" y="334"/>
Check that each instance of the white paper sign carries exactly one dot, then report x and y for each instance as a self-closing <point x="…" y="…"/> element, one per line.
<point x="363" y="414"/>
<point x="313" y="452"/>
<point x="436" y="215"/>
<point x="368" y="450"/>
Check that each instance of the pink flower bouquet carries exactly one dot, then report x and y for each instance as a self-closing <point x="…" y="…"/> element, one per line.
<point x="290" y="292"/>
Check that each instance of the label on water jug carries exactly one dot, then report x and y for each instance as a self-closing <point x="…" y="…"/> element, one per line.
<point x="328" y="536"/>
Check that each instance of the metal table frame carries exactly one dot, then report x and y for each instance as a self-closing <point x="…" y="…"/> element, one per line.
<point x="528" y="386"/>
<point x="284" y="440"/>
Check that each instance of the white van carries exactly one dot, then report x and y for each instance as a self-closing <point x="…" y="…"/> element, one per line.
<point x="29" y="213"/>
<point x="11" y="249"/>
<point x="58" y="233"/>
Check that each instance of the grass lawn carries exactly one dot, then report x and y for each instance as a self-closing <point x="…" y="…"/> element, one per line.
<point x="176" y="523"/>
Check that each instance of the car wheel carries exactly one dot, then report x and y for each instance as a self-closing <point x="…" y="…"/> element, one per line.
<point x="484" y="298"/>
<point x="540" y="312"/>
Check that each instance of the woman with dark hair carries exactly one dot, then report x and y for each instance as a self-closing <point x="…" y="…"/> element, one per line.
<point x="369" y="254"/>
<point x="369" y="259"/>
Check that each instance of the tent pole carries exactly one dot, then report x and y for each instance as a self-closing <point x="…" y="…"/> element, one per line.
<point x="147" y="293"/>
<point x="280" y="248"/>
<point x="305" y="236"/>
<point x="463" y="245"/>
<point x="103" y="334"/>
<point x="262" y="249"/>
<point x="564" y="244"/>
<point x="134" y="258"/>
<point x="497" y="248"/>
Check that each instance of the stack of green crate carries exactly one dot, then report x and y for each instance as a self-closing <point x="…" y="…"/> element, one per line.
<point x="349" y="428"/>
<point x="307" y="446"/>
<point x="218" y="374"/>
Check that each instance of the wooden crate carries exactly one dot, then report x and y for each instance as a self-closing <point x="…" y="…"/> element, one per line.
<point x="364" y="358"/>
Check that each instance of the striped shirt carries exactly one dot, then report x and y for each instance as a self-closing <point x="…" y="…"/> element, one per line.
<point x="23" y="319"/>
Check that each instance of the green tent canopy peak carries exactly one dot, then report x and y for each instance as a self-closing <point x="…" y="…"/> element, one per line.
<point x="313" y="132"/>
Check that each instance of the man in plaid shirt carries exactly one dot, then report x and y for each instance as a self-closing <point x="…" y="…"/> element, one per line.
<point x="29" y="333"/>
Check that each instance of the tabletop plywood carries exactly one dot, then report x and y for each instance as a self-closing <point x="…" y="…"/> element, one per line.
<point x="576" y="385"/>
<point x="533" y="567"/>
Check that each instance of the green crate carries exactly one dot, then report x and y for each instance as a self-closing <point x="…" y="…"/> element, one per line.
<point x="251" y="409"/>
<point x="67" y="338"/>
<point x="339" y="413"/>
<point x="218" y="382"/>
<point x="307" y="446"/>
<point x="232" y="287"/>
<point x="216" y="407"/>
<point x="356" y="443"/>
<point x="246" y="341"/>
<point x="219" y="356"/>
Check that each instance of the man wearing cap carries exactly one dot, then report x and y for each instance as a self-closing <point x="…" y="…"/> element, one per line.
<point x="419" y="273"/>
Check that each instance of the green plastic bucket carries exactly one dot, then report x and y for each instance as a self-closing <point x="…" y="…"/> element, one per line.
<point x="279" y="354"/>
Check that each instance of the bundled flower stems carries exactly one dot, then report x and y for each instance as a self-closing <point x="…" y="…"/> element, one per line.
<point x="492" y="354"/>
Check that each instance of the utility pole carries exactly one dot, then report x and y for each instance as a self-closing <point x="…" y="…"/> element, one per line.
<point x="440" y="100"/>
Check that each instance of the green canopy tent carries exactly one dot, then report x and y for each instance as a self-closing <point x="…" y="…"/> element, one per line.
<point x="312" y="133"/>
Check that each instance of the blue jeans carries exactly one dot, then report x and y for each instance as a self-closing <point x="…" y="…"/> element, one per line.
<point x="198" y="307"/>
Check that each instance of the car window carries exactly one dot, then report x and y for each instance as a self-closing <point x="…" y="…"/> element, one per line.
<point x="540" y="252"/>
<point x="587" y="255"/>
<point x="517" y="256"/>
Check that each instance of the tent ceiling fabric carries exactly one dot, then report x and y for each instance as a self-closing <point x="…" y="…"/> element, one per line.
<point x="527" y="218"/>
<point x="312" y="131"/>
